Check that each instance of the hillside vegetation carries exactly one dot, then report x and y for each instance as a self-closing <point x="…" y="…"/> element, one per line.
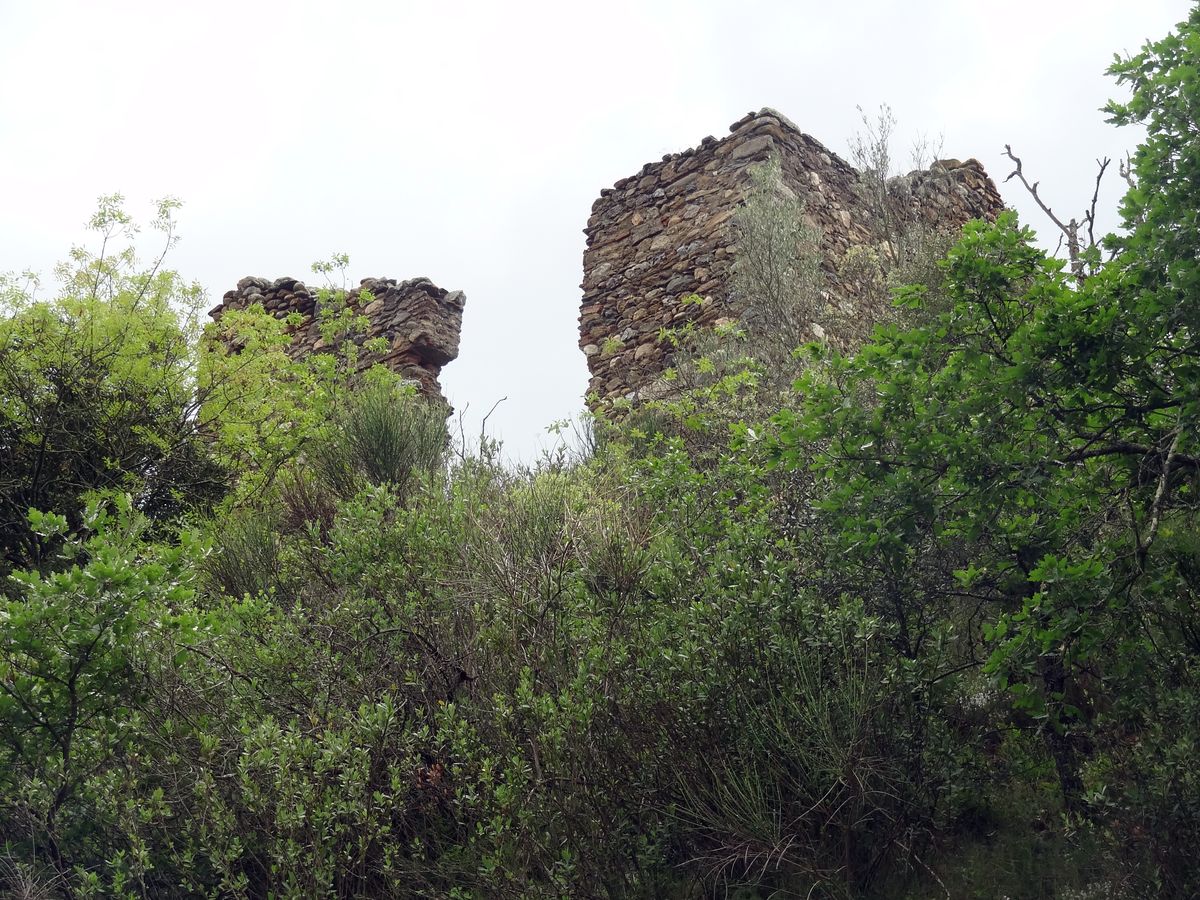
<point x="915" y="619"/>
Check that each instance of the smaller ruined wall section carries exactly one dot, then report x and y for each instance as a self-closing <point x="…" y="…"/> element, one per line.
<point x="951" y="192"/>
<point x="670" y="232"/>
<point x="420" y="321"/>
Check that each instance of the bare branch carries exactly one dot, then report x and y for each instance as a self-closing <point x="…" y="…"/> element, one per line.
<point x="1090" y="215"/>
<point x="1019" y="173"/>
<point x="1159" y="495"/>
<point x="1070" y="229"/>
<point x="1125" y="170"/>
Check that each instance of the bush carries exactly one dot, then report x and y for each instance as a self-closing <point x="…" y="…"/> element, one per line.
<point x="383" y="434"/>
<point x="96" y="391"/>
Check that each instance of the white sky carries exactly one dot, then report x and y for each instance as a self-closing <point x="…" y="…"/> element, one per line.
<point x="466" y="141"/>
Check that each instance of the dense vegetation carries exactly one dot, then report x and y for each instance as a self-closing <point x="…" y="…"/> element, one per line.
<point x="925" y="624"/>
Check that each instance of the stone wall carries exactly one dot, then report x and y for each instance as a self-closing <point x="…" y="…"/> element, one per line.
<point x="420" y="321"/>
<point x="669" y="231"/>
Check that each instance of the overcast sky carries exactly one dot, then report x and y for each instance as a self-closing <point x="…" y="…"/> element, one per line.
<point x="466" y="141"/>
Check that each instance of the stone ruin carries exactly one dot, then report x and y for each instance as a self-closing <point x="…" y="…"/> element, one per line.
<point x="654" y="240"/>
<point x="669" y="232"/>
<point x="419" y="320"/>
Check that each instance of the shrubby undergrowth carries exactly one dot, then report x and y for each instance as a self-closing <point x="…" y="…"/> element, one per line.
<point x="926" y="627"/>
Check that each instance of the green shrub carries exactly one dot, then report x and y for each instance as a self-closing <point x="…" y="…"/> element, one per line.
<point x="382" y="434"/>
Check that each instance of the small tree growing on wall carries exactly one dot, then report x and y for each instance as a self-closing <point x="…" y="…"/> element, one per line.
<point x="777" y="270"/>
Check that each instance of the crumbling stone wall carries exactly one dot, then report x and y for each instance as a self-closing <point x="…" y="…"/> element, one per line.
<point x="669" y="232"/>
<point x="420" y="321"/>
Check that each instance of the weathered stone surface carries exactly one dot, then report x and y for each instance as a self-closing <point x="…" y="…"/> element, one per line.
<point x="420" y="321"/>
<point x="670" y="231"/>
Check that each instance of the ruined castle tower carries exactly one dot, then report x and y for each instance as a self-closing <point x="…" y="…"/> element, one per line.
<point x="669" y="231"/>
<point x="419" y="320"/>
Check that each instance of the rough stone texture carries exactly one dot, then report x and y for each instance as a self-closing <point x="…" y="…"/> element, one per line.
<point x="420" y="321"/>
<point x="669" y="231"/>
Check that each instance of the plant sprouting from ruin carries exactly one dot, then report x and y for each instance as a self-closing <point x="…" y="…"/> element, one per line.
<point x="777" y="270"/>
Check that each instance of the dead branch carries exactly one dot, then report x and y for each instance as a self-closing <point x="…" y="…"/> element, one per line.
<point x="1070" y="230"/>
<point x="1090" y="215"/>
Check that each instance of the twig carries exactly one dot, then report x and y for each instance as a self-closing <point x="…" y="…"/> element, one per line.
<point x="1125" y="170"/>
<point x="483" y="424"/>
<point x="1019" y="173"/>
<point x="1090" y="215"/>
